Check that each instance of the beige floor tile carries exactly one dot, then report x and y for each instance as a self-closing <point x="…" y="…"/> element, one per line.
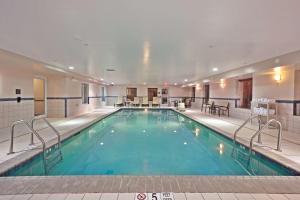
<point x="179" y="196"/>
<point x="210" y="196"/>
<point x="109" y="196"/>
<point x="126" y="196"/>
<point x="57" y="197"/>
<point x="194" y="196"/>
<point x="22" y="197"/>
<point x="92" y="196"/>
<point x="261" y="197"/>
<point x="278" y="197"/>
<point x="244" y="196"/>
<point x="293" y="196"/>
<point x="74" y="196"/>
<point x="6" y="197"/>
<point x="39" y="197"/>
<point x="227" y="196"/>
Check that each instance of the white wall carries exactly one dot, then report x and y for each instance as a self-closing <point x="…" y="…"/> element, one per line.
<point x="17" y="72"/>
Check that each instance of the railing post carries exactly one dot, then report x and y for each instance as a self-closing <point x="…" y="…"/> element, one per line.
<point x="259" y="128"/>
<point x="31" y="135"/>
<point x="66" y="109"/>
<point x="11" y="147"/>
<point x="279" y="136"/>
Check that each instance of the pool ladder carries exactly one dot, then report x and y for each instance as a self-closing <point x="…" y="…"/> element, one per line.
<point x="49" y="158"/>
<point x="258" y="133"/>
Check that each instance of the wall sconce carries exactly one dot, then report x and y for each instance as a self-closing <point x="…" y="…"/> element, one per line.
<point x="277" y="76"/>
<point x="198" y="87"/>
<point x="222" y="84"/>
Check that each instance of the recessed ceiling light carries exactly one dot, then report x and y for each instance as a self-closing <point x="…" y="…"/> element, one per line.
<point x="175" y="83"/>
<point x="215" y="69"/>
<point x="144" y="83"/>
<point x="112" y="83"/>
<point x="185" y="80"/>
<point x="71" y="67"/>
<point x="101" y="79"/>
<point x="205" y="81"/>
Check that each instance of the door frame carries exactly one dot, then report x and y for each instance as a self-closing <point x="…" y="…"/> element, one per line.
<point x="45" y="92"/>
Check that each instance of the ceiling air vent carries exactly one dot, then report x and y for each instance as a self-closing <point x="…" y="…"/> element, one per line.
<point x="110" y="70"/>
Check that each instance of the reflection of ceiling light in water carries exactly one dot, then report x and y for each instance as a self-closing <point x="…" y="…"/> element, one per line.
<point x="197" y="131"/>
<point x="146" y="110"/>
<point x="174" y="131"/>
<point x="221" y="148"/>
<point x="112" y="131"/>
<point x="146" y="52"/>
<point x="101" y="143"/>
<point x="185" y="143"/>
<point x="144" y="131"/>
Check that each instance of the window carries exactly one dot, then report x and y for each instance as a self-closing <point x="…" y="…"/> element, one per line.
<point x="131" y="93"/>
<point x="85" y="93"/>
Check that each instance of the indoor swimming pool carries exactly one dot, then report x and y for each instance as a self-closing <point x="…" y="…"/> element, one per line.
<point x="151" y="142"/>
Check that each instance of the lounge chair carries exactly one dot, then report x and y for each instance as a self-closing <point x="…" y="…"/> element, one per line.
<point x="145" y="101"/>
<point x="181" y="107"/>
<point x="136" y="101"/>
<point x="155" y="102"/>
<point x="222" y="107"/>
<point x="119" y="101"/>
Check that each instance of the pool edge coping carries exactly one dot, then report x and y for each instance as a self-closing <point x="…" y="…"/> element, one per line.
<point x="137" y="184"/>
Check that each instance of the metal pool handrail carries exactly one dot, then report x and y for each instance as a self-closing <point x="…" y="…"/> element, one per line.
<point x="43" y="117"/>
<point x="258" y="133"/>
<point x="14" y="124"/>
<point x="244" y="124"/>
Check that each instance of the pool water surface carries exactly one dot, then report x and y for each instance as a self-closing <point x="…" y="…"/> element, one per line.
<point x="152" y="142"/>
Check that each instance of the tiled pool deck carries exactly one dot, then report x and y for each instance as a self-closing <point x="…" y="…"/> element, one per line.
<point x="131" y="196"/>
<point x="131" y="184"/>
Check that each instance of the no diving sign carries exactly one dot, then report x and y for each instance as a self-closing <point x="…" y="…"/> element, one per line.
<point x="154" y="196"/>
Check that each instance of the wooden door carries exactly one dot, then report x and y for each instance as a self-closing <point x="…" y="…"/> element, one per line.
<point x="131" y="93"/>
<point x="152" y="92"/>
<point x="246" y="93"/>
<point x="206" y="93"/>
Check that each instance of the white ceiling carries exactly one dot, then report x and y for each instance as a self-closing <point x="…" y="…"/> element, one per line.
<point x="154" y="41"/>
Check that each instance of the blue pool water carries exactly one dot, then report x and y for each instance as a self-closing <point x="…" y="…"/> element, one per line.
<point x="152" y="142"/>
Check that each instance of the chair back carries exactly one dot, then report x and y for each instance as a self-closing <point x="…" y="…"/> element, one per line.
<point x="155" y="100"/>
<point x="224" y="104"/>
<point x="136" y="100"/>
<point x="145" y="100"/>
<point x="119" y="100"/>
<point x="181" y="107"/>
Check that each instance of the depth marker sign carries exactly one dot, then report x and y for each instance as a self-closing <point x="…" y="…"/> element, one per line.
<point x="154" y="196"/>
